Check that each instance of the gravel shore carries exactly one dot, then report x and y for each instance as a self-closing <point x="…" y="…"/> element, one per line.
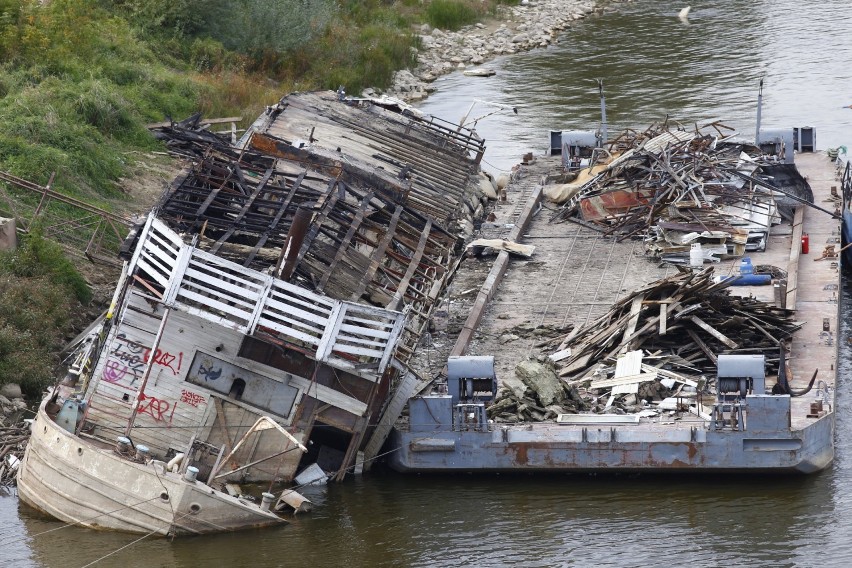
<point x="535" y="24"/>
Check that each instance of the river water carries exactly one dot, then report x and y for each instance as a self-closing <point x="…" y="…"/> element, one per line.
<point x="652" y="65"/>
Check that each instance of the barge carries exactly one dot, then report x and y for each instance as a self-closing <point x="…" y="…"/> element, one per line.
<point x="649" y="385"/>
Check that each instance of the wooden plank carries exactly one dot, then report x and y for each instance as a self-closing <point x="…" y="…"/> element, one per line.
<point x="635" y="310"/>
<point x="714" y="332"/>
<point x="663" y="318"/>
<point x="629" y="363"/>
<point x="211" y="303"/>
<point x="669" y="375"/>
<point x="226" y="267"/>
<point x="342" y="348"/>
<point x="202" y="122"/>
<point x="290" y="291"/>
<point x="412" y="267"/>
<point x="282" y="322"/>
<point x="359" y="340"/>
<point x="329" y="396"/>
<point x="378" y="254"/>
<point x="366" y="331"/>
<point x="511" y="247"/>
<point x="703" y="346"/>
<point x="152" y="272"/>
<point x="625" y="380"/>
<point x="290" y="307"/>
<point x="219" y="287"/>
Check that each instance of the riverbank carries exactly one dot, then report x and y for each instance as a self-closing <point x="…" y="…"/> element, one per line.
<point x="516" y="28"/>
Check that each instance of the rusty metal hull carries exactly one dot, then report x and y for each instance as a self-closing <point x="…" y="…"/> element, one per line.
<point x="566" y="449"/>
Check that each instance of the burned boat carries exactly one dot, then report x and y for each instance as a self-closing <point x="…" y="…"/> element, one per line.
<point x="684" y="324"/>
<point x="266" y="311"/>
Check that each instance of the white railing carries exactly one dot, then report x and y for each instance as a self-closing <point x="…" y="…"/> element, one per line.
<point x="343" y="334"/>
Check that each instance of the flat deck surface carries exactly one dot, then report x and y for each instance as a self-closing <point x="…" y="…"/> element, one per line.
<point x="576" y="273"/>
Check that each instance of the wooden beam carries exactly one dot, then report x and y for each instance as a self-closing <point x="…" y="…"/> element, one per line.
<point x="635" y="310"/>
<point x="412" y="267"/>
<point x="714" y="332"/>
<point x="703" y="346"/>
<point x="201" y="122"/>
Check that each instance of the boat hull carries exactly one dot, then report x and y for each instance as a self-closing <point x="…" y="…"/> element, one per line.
<point x="602" y="449"/>
<point x="76" y="481"/>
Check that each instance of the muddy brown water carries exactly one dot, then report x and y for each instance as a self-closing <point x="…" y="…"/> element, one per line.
<point x="652" y="64"/>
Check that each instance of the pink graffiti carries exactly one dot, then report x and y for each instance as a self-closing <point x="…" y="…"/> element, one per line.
<point x="114" y="371"/>
<point x="156" y="408"/>
<point x="191" y="398"/>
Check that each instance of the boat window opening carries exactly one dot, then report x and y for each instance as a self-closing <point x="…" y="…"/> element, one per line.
<point x="237" y="389"/>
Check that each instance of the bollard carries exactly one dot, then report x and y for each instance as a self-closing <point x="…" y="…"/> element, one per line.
<point x="141" y="453"/>
<point x="266" y="501"/>
<point x="191" y="474"/>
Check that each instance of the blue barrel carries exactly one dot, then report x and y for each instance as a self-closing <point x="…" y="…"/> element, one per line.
<point x="747" y="279"/>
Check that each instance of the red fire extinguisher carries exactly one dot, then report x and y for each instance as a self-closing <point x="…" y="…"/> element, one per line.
<point x="805" y="243"/>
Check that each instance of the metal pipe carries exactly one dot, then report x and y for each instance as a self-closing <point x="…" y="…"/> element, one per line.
<point x="288" y="258"/>
<point x="140" y="394"/>
<point x="759" y="108"/>
<point x="603" y="112"/>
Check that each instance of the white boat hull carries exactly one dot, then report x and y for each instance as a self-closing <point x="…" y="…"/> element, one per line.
<point x="75" y="481"/>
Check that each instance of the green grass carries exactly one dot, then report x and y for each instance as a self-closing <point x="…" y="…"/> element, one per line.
<point x="79" y="79"/>
<point x="39" y="289"/>
<point x="451" y="14"/>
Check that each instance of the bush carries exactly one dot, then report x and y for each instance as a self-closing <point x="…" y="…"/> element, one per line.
<point x="450" y="14"/>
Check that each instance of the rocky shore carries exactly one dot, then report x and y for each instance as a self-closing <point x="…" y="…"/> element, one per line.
<point x="530" y="25"/>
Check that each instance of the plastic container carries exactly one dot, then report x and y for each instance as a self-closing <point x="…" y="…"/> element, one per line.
<point x="696" y="257"/>
<point x="747" y="279"/>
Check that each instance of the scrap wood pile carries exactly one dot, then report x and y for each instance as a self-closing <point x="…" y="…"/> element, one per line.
<point x="670" y="332"/>
<point x="676" y="188"/>
<point x="13" y="442"/>
<point x="14" y="433"/>
<point x="191" y="137"/>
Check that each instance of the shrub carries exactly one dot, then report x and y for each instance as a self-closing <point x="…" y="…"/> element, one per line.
<point x="450" y="14"/>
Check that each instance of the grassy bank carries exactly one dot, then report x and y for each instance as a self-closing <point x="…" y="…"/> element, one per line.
<point x="79" y="79"/>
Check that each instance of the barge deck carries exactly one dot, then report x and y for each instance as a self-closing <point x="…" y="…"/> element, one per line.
<point x="575" y="276"/>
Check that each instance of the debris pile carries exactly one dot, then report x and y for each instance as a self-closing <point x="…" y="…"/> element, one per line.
<point x="544" y="398"/>
<point x="191" y="137"/>
<point x="678" y="189"/>
<point x="670" y="332"/>
<point x="14" y="433"/>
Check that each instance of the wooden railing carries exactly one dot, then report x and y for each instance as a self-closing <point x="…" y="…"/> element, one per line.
<point x="342" y="334"/>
